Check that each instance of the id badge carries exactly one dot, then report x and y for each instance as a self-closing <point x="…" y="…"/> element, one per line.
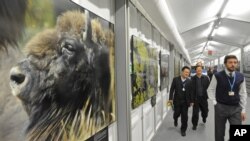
<point x="231" y="93"/>
<point x="183" y="89"/>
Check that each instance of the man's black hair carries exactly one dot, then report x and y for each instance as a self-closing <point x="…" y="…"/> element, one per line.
<point x="198" y="67"/>
<point x="229" y="57"/>
<point x="185" y="67"/>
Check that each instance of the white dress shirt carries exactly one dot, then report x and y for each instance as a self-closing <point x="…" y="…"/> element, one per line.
<point x="183" y="79"/>
<point x="243" y="92"/>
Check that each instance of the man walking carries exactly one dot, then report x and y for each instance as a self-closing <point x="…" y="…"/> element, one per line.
<point x="181" y="97"/>
<point x="200" y="85"/>
<point x="228" y="92"/>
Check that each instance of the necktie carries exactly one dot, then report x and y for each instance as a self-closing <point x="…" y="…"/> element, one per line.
<point x="230" y="74"/>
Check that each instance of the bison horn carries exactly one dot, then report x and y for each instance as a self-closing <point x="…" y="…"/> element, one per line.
<point x="84" y="34"/>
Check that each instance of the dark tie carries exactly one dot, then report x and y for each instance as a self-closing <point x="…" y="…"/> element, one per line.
<point x="231" y="75"/>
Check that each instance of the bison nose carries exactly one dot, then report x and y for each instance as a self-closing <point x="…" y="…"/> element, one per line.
<point x="17" y="76"/>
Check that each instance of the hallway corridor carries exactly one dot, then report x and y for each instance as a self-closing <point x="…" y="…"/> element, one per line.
<point x="204" y="132"/>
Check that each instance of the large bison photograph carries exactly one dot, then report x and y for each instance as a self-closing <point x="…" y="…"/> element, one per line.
<point x="60" y="76"/>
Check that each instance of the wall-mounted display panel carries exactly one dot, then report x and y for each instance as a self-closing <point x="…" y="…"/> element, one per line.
<point x="144" y="71"/>
<point x="164" y="70"/>
<point x="66" y="80"/>
<point x="177" y="64"/>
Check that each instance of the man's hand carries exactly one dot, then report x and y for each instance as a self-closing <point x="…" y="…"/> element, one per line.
<point x="170" y="105"/>
<point x="170" y="101"/>
<point x="243" y="116"/>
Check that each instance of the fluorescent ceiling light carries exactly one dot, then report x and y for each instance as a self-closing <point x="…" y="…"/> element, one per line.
<point x="214" y="43"/>
<point x="222" y="31"/>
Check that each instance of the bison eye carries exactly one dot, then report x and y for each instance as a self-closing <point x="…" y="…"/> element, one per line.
<point x="67" y="48"/>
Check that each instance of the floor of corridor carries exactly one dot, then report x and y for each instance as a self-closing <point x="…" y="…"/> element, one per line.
<point x="204" y="132"/>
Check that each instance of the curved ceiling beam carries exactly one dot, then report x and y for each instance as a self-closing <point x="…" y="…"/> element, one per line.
<point x="237" y="19"/>
<point x="216" y="23"/>
<point x="227" y="43"/>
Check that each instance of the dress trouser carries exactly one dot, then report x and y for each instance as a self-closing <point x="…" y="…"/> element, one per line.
<point x="222" y="114"/>
<point x="200" y="104"/>
<point x="181" y="110"/>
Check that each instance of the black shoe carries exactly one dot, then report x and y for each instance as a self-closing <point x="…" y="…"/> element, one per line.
<point x="183" y="133"/>
<point x="175" y="123"/>
<point x="204" y="120"/>
<point x="194" y="127"/>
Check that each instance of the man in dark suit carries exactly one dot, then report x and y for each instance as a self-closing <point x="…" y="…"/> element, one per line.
<point x="181" y="97"/>
<point x="200" y="85"/>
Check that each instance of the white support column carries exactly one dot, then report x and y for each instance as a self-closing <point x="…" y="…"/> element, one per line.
<point x="123" y="87"/>
<point x="219" y="66"/>
<point x="241" y="59"/>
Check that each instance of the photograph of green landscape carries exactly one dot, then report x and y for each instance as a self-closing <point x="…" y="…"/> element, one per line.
<point x="144" y="71"/>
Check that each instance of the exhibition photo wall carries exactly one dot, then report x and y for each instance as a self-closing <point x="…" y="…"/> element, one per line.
<point x="62" y="87"/>
<point x="177" y="64"/>
<point x="164" y="70"/>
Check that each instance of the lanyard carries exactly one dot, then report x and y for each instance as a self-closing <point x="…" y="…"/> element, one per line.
<point x="184" y="84"/>
<point x="231" y="85"/>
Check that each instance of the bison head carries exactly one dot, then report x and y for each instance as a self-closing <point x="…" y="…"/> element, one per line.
<point x="65" y="79"/>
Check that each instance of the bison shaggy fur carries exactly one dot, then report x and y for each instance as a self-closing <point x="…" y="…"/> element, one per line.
<point x="64" y="82"/>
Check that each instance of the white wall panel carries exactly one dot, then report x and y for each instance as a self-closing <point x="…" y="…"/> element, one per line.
<point x="164" y="102"/>
<point x="146" y="30"/>
<point x="102" y="8"/>
<point x="136" y="124"/>
<point x="113" y="132"/>
<point x="246" y="67"/>
<point x="158" y="111"/>
<point x="164" y="45"/>
<point x="156" y="38"/>
<point x="148" y="121"/>
<point x="134" y="21"/>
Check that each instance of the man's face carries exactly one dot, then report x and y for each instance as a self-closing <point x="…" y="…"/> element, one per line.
<point x="231" y="64"/>
<point x="185" y="73"/>
<point x="198" y="70"/>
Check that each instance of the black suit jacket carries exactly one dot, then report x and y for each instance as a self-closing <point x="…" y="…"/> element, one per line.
<point x="204" y="82"/>
<point x="176" y="90"/>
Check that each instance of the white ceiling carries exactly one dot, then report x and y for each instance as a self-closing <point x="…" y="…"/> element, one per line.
<point x="196" y="19"/>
